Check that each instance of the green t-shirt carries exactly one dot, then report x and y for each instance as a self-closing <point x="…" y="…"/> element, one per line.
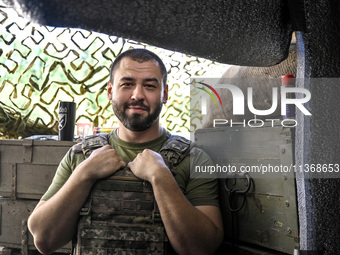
<point x="198" y="191"/>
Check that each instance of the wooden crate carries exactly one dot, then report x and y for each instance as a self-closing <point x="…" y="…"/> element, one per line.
<point x="27" y="166"/>
<point x="14" y="215"/>
<point x="269" y="216"/>
<point x="13" y="225"/>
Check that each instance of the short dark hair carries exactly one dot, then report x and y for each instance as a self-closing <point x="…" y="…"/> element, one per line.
<point x="141" y="56"/>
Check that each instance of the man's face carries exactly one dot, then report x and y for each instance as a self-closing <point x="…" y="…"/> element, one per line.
<point x="137" y="93"/>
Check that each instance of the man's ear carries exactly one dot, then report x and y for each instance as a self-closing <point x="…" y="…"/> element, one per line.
<point x="165" y="93"/>
<point x="109" y="90"/>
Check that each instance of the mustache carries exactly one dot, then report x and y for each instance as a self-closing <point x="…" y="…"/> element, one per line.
<point x="137" y="103"/>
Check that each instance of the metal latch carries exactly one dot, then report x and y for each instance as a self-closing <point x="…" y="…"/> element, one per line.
<point x="233" y="192"/>
<point x="27" y="154"/>
<point x="24" y="238"/>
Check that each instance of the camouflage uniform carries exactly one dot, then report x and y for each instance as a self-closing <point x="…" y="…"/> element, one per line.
<point x="120" y="215"/>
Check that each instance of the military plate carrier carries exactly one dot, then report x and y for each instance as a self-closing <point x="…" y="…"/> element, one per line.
<point x="121" y="215"/>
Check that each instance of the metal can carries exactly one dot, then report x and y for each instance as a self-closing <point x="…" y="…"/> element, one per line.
<point x="97" y="130"/>
<point x="289" y="81"/>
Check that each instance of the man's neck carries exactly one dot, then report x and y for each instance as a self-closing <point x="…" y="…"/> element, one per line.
<point x="149" y="134"/>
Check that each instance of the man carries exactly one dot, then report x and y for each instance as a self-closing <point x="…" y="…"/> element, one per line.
<point x="137" y="89"/>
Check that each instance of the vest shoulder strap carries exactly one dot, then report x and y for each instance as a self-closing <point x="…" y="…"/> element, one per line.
<point x="91" y="143"/>
<point x="173" y="151"/>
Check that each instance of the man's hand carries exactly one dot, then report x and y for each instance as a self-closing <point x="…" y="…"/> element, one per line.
<point x="102" y="163"/>
<point x="49" y="236"/>
<point x="148" y="165"/>
<point x="191" y="230"/>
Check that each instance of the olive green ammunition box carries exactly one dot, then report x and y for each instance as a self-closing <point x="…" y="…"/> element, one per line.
<point x="14" y="233"/>
<point x="262" y="209"/>
<point x="27" y="168"/>
<point x="121" y="217"/>
<point x="14" y="215"/>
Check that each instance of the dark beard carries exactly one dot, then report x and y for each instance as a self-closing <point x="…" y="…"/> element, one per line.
<point x="136" y="122"/>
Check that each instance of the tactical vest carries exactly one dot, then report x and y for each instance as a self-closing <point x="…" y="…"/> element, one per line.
<point x="120" y="215"/>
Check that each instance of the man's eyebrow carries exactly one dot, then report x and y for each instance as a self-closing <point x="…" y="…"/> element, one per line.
<point x="132" y="79"/>
<point x="152" y="79"/>
<point x="126" y="79"/>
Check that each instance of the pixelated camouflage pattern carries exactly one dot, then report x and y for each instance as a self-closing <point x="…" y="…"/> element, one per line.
<point x="90" y="143"/>
<point x="93" y="142"/>
<point x="121" y="215"/>
<point x="174" y="150"/>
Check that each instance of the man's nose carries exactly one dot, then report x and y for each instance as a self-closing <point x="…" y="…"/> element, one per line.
<point x="138" y="93"/>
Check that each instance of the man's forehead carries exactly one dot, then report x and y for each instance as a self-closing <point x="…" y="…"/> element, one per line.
<point x="128" y="63"/>
<point x="129" y="69"/>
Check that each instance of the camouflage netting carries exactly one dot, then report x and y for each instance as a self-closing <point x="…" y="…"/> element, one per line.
<point x="41" y="65"/>
<point x="13" y="125"/>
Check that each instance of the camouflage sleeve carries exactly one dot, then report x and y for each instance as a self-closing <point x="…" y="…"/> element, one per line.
<point x="64" y="170"/>
<point x="201" y="191"/>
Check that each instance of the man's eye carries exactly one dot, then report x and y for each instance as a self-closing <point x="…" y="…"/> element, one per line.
<point x="150" y="86"/>
<point x="127" y="84"/>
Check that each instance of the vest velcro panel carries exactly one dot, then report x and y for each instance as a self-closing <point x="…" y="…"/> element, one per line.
<point x="121" y="216"/>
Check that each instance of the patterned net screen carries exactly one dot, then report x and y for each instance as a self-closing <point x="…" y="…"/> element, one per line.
<point x="40" y="66"/>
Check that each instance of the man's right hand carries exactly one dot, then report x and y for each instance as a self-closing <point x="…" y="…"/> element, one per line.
<point x="64" y="206"/>
<point x="102" y="163"/>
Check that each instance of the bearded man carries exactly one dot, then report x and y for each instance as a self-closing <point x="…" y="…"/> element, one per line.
<point x="188" y="206"/>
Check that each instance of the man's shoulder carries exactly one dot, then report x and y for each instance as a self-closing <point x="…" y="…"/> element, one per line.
<point x="90" y="143"/>
<point x="177" y="143"/>
<point x="183" y="145"/>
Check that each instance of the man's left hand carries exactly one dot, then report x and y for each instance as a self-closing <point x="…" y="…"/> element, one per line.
<point x="148" y="165"/>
